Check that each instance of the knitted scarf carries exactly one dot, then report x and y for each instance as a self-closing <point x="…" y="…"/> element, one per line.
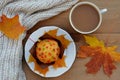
<point x="30" y="12"/>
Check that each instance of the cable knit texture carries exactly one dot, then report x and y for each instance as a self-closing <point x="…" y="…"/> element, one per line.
<point x="30" y="12"/>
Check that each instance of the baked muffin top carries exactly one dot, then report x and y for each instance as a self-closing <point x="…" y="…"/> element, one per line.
<point x="47" y="50"/>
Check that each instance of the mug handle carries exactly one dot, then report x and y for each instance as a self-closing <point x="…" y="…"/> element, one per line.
<point x="103" y="10"/>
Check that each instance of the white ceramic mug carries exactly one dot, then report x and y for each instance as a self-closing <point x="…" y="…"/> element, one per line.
<point x="97" y="9"/>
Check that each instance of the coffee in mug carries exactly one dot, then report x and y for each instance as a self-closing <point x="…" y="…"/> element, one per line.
<point x="85" y="17"/>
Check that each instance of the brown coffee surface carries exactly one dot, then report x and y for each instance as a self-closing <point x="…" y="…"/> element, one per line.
<point x="85" y="18"/>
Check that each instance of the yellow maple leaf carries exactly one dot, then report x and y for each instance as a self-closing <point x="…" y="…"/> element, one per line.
<point x="115" y="55"/>
<point x="101" y="55"/>
<point x="93" y="41"/>
<point x="11" y="26"/>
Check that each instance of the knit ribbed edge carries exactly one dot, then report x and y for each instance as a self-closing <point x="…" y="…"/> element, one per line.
<point x="4" y="2"/>
<point x="10" y="59"/>
<point x="32" y="5"/>
<point x="30" y="18"/>
<point x="21" y="75"/>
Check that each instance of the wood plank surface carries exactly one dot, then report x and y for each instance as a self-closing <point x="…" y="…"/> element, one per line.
<point x="109" y="32"/>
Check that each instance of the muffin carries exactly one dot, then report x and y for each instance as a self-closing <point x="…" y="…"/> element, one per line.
<point x="47" y="50"/>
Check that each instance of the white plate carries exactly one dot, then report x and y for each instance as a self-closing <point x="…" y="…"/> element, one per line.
<point x="70" y="52"/>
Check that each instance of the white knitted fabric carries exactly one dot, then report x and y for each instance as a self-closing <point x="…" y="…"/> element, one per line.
<point x="30" y="12"/>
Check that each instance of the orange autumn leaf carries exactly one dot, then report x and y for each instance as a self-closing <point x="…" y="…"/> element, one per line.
<point x="31" y="59"/>
<point x="101" y="55"/>
<point x="87" y="51"/>
<point x="65" y="42"/>
<point x="37" y="67"/>
<point x="108" y="64"/>
<point x="40" y="69"/>
<point x="11" y="26"/>
<point x="60" y="63"/>
<point x="94" y="65"/>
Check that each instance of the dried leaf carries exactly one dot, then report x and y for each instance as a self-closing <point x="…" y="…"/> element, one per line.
<point x="115" y="55"/>
<point x="101" y="55"/>
<point x="11" y="27"/>
<point x="93" y="41"/>
<point x="40" y="69"/>
<point x="65" y="42"/>
<point x="31" y="59"/>
<point x="94" y="65"/>
<point x="60" y="63"/>
<point x="37" y="67"/>
<point x="87" y="51"/>
<point x="108" y="65"/>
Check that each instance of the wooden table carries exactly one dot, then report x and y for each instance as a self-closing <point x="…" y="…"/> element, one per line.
<point x="109" y="32"/>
